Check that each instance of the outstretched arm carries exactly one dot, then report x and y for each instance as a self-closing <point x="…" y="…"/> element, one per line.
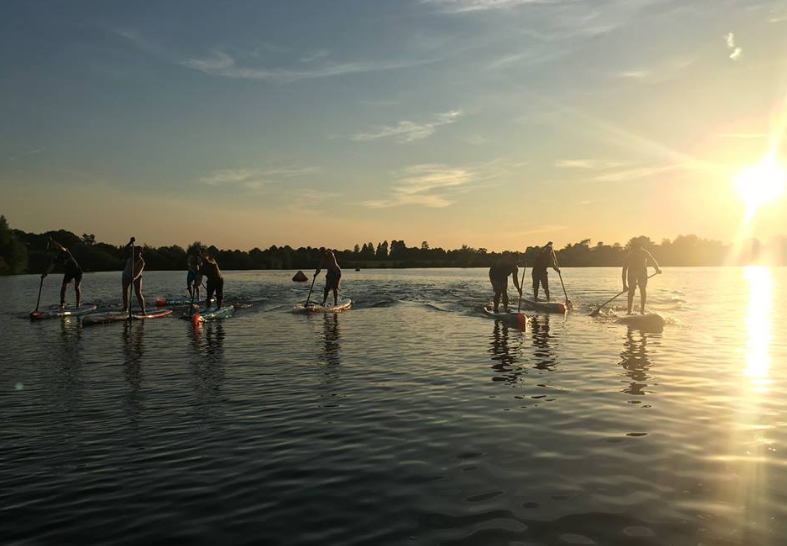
<point x="625" y="271"/>
<point x="652" y="260"/>
<point x="516" y="280"/>
<point x="138" y="274"/>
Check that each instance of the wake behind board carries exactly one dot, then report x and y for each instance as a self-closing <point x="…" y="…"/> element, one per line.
<point x="648" y="321"/>
<point x="511" y="317"/>
<point x="544" y="306"/>
<point x="119" y="316"/>
<point x="205" y="315"/>
<point x="342" y="305"/>
<point x="64" y="312"/>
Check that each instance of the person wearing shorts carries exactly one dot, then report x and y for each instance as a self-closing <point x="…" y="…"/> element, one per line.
<point x="546" y="258"/>
<point x="635" y="273"/>
<point x="132" y="275"/>
<point x="333" y="274"/>
<point x="71" y="271"/>
<point x="498" y="276"/>
<point x="215" y="281"/>
<point x="193" y="277"/>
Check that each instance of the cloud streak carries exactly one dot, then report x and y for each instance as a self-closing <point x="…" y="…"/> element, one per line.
<point x="222" y="64"/>
<point x="409" y="131"/>
<point x="429" y="185"/>
<point x="464" y="6"/>
<point x="736" y="52"/>
<point x="253" y="179"/>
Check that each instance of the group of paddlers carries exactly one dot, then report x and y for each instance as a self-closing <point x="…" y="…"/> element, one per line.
<point x="200" y="264"/>
<point x="635" y="274"/>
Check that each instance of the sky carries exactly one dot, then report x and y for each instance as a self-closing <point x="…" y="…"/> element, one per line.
<point x="492" y="123"/>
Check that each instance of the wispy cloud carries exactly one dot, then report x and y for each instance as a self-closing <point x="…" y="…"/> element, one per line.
<point x="592" y="164"/>
<point x="429" y="185"/>
<point x="463" y="6"/>
<point x="27" y="153"/>
<point x="746" y="136"/>
<point x="222" y="64"/>
<point x="315" y="55"/>
<point x="409" y="131"/>
<point x="253" y="179"/>
<point x="736" y="52"/>
<point x="636" y="173"/>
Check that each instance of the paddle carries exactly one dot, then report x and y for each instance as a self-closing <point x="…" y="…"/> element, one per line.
<point x="40" y="286"/>
<point x="310" y="291"/>
<point x="569" y="305"/>
<point x="596" y="312"/>
<point x="131" y="286"/>
<point x="521" y="289"/>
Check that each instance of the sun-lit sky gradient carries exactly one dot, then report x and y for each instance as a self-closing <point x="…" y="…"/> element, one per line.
<point x="495" y="123"/>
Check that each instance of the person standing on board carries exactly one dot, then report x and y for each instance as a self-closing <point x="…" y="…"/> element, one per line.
<point x="210" y="269"/>
<point x="193" y="277"/>
<point x="498" y="276"/>
<point x="132" y="274"/>
<point x="72" y="271"/>
<point x="333" y="274"/>
<point x="635" y="270"/>
<point x="546" y="258"/>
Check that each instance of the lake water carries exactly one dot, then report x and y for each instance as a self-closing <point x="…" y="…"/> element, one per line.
<point x="410" y="419"/>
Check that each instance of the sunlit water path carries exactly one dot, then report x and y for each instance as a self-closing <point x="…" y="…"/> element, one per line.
<point x="411" y="419"/>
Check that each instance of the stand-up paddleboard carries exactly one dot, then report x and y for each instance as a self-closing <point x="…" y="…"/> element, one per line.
<point x="545" y="306"/>
<point x="343" y="305"/>
<point x="511" y="317"/>
<point x="205" y="315"/>
<point x="64" y="312"/>
<point x="120" y="316"/>
<point x="648" y="321"/>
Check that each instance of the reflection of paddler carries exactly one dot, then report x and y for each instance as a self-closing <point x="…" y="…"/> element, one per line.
<point x="546" y="258"/>
<point x="635" y="271"/>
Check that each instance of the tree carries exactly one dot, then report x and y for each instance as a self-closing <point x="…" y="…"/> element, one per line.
<point x="88" y="240"/>
<point x="357" y="249"/>
<point x="424" y="245"/>
<point x="382" y="250"/>
<point x="13" y="254"/>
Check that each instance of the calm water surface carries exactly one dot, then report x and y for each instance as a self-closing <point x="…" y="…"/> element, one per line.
<point x="411" y="419"/>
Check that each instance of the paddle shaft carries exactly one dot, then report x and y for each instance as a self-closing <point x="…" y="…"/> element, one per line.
<point x="560" y="274"/>
<point x="521" y="289"/>
<point x="310" y="290"/>
<point x="616" y="296"/>
<point x="131" y="286"/>
<point x="40" y="286"/>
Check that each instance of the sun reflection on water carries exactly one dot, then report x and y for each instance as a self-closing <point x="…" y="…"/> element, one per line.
<point x="758" y="322"/>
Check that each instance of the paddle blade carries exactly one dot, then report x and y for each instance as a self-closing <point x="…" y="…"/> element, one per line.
<point x="195" y="319"/>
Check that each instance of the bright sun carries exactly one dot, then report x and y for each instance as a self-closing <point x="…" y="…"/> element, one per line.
<point x="760" y="184"/>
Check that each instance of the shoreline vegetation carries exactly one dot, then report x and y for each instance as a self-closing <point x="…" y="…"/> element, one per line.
<point x="22" y="252"/>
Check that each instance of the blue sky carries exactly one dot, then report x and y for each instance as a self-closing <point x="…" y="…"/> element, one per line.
<point x="495" y="123"/>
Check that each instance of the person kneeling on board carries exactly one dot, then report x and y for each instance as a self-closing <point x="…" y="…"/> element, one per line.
<point x="193" y="277"/>
<point x="635" y="270"/>
<point x="132" y="274"/>
<point x="498" y="276"/>
<point x="546" y="258"/>
<point x="210" y="269"/>
<point x="72" y="271"/>
<point x="333" y="274"/>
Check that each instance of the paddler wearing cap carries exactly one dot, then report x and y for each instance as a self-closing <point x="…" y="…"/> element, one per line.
<point x="546" y="258"/>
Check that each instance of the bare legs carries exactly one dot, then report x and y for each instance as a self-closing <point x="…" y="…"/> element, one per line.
<point x="137" y="290"/>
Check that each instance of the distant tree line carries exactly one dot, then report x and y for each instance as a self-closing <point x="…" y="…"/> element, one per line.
<point x="22" y="252"/>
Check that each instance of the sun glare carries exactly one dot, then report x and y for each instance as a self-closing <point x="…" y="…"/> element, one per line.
<point x="760" y="184"/>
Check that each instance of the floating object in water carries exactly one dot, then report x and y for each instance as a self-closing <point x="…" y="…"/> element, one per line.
<point x="300" y="276"/>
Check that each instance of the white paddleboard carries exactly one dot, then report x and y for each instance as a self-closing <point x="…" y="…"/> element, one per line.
<point x="118" y="316"/>
<point x="545" y="306"/>
<point x="648" y="321"/>
<point x="343" y="305"/>
<point x="65" y="312"/>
